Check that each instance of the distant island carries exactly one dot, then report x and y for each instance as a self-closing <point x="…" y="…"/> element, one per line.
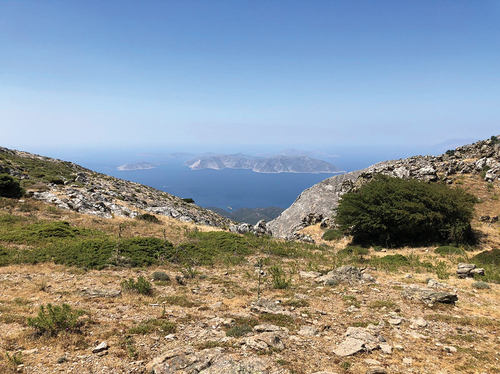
<point x="275" y="164"/>
<point x="137" y="166"/>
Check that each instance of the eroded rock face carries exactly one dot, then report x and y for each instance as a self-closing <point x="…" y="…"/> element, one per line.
<point x="318" y="203"/>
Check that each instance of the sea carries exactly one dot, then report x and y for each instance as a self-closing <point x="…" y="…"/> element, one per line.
<point x="228" y="189"/>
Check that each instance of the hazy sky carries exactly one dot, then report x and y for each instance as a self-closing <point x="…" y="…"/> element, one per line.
<point x="308" y="73"/>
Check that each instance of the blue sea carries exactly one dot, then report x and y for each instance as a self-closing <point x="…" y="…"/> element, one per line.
<point x="227" y="189"/>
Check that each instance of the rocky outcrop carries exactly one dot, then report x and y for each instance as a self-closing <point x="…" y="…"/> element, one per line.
<point x="318" y="203"/>
<point x="207" y="361"/>
<point x="79" y="189"/>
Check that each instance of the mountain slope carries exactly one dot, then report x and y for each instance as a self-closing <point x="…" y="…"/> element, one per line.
<point x="73" y="187"/>
<point x="318" y="203"/>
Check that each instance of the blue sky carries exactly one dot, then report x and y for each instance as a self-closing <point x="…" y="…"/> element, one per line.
<point x="212" y="74"/>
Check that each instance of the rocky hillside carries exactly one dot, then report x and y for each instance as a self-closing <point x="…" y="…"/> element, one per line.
<point x="317" y="204"/>
<point x="276" y="164"/>
<point x="73" y="187"/>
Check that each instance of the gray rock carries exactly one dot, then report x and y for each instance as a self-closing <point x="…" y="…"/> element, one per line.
<point x="349" y="347"/>
<point x="308" y="331"/>
<point x="91" y="293"/>
<point x="376" y="370"/>
<point x="429" y="296"/>
<point x="209" y="361"/>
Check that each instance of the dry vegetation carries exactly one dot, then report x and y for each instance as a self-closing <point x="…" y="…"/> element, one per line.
<point x="213" y="299"/>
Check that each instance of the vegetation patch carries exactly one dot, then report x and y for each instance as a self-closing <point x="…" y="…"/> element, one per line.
<point x="239" y="330"/>
<point x="396" y="212"/>
<point x="148" y="218"/>
<point x="153" y="325"/>
<point x="52" y="320"/>
<point x="10" y="187"/>
<point x="449" y="250"/>
<point x="141" y="286"/>
<point x="332" y="234"/>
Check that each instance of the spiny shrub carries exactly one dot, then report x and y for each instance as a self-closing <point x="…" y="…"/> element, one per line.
<point x="332" y="235"/>
<point x="481" y="285"/>
<point x="142" y="286"/>
<point x="449" y="250"/>
<point x="55" y="319"/>
<point x="280" y="280"/>
<point x="396" y="212"/>
<point x="160" y="276"/>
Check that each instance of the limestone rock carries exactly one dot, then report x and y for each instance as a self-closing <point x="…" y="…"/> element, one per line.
<point x="209" y="361"/>
<point x="429" y="296"/>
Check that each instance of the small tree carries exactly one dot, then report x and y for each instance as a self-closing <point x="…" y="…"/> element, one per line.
<point x="395" y="212"/>
<point x="10" y="187"/>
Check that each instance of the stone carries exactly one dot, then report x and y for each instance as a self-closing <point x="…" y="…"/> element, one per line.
<point x="386" y="348"/>
<point x="372" y="362"/>
<point x="418" y="322"/>
<point x="92" y="294"/>
<point x="450" y="349"/>
<point x="429" y="296"/>
<point x="103" y="346"/>
<point x="376" y="370"/>
<point x="270" y="328"/>
<point x="308" y="331"/>
<point x="407" y="361"/>
<point x="349" y="347"/>
<point x="394" y="321"/>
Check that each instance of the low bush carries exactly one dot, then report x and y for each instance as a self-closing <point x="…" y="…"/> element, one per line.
<point x="332" y="235"/>
<point x="52" y="320"/>
<point x="239" y="331"/>
<point x="353" y="250"/>
<point x="449" y="250"/>
<point x="487" y="257"/>
<point x="154" y="324"/>
<point x="160" y="276"/>
<point x="280" y="280"/>
<point x="10" y="187"/>
<point x="148" y="218"/>
<point x="141" y="286"/>
<point x="481" y="285"/>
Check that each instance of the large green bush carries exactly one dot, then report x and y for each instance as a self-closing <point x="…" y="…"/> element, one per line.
<point x="10" y="187"/>
<point x="396" y="212"/>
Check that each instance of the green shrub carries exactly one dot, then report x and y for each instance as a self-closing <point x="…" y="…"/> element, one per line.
<point x="487" y="257"/>
<point x="353" y="250"/>
<point x="396" y="212"/>
<point x="142" y="286"/>
<point x="188" y="200"/>
<point x="160" y="276"/>
<point x="148" y="218"/>
<point x="55" y="319"/>
<point x="154" y="324"/>
<point x="10" y="187"/>
<point x="239" y="331"/>
<point x="449" y="250"/>
<point x="145" y="251"/>
<point x="280" y="280"/>
<point x="332" y="235"/>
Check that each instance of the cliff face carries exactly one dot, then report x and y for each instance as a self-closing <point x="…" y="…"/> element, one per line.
<point x="318" y="203"/>
<point x="73" y="187"/>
